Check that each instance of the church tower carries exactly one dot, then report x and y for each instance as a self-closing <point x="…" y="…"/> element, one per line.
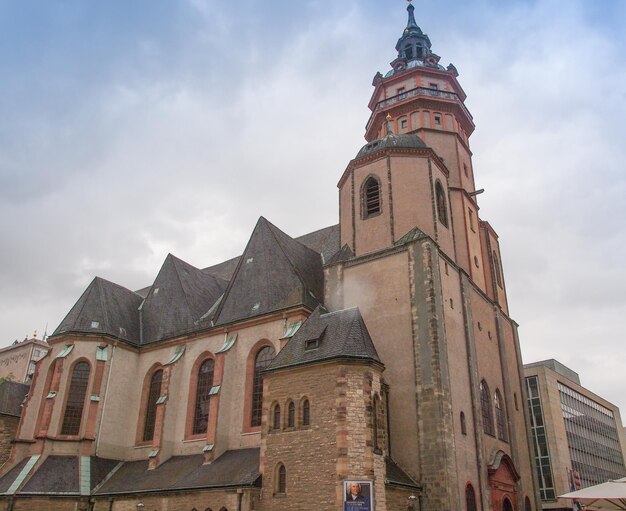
<point x="425" y="271"/>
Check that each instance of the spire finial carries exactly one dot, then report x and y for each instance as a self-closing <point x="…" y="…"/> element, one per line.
<point x="412" y="23"/>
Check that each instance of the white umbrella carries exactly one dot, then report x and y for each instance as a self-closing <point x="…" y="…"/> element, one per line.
<point x="610" y="495"/>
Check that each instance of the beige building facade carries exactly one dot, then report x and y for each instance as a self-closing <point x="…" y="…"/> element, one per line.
<point x="369" y="365"/>
<point x="577" y="435"/>
<point x="17" y="361"/>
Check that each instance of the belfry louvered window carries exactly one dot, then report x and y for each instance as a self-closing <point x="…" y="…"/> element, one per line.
<point x="263" y="359"/>
<point x="203" y="388"/>
<point x="371" y="197"/>
<point x="485" y="405"/>
<point x="154" y="392"/>
<point x="75" y="399"/>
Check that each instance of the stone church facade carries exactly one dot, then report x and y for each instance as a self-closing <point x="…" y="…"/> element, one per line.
<point x="369" y="365"/>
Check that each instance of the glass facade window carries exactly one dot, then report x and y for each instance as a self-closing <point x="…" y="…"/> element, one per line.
<point x="592" y="438"/>
<point x="540" y="441"/>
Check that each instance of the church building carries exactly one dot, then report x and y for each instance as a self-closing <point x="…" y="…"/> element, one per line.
<point x="371" y="365"/>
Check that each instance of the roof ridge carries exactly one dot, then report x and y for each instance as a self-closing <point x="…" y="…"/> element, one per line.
<point x="103" y="305"/>
<point x="180" y="281"/>
<point x="86" y="293"/>
<point x="297" y="271"/>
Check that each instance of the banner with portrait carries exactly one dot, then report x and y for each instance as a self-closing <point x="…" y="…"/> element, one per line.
<point x="358" y="496"/>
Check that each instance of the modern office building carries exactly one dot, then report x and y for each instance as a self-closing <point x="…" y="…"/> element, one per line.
<point x="578" y="436"/>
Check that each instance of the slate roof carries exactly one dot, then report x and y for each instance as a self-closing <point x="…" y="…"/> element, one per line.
<point x="405" y="141"/>
<point x="180" y="296"/>
<point x="104" y="308"/>
<point x="7" y="479"/>
<point x="286" y="272"/>
<point x="57" y="474"/>
<point x="233" y="468"/>
<point x="274" y="272"/>
<point x="12" y="396"/>
<point x="339" y="335"/>
<point x="395" y="475"/>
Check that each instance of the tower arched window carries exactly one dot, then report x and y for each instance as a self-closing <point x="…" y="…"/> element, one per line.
<point x="442" y="207"/>
<point x="470" y="498"/>
<point x="276" y="417"/>
<point x="496" y="269"/>
<point x="154" y="392"/>
<point x="263" y="359"/>
<point x="75" y="403"/>
<point x="376" y="412"/>
<point x="291" y="415"/>
<point x="500" y="416"/>
<point x="281" y="479"/>
<point x="485" y="405"/>
<point x="408" y="52"/>
<point x="203" y="388"/>
<point x="371" y="197"/>
<point x="306" y="413"/>
<point x="527" y="505"/>
<point x="463" y="424"/>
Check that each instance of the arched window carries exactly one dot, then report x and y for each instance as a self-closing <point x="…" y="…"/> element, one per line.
<point x="276" y="415"/>
<point x="263" y="359"/>
<point x="291" y="415"/>
<point x="506" y="505"/>
<point x="371" y="197"/>
<point x="306" y="413"/>
<point x="470" y="498"/>
<point x="463" y="424"/>
<point x="154" y="392"/>
<point x="485" y="405"/>
<point x="500" y="416"/>
<point x="75" y="399"/>
<point x="442" y="207"/>
<point x="201" y="410"/>
<point x="281" y="479"/>
<point x="408" y="52"/>
<point x="527" y="505"/>
<point x="496" y="269"/>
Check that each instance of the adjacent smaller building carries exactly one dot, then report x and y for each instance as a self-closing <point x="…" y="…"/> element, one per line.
<point x="17" y="361"/>
<point x="12" y="396"/>
<point x="578" y="437"/>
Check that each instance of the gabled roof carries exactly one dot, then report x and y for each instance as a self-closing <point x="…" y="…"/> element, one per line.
<point x="104" y="308"/>
<point x="12" y="396"/>
<point x="326" y="336"/>
<point x="179" y="297"/>
<point x="274" y="272"/>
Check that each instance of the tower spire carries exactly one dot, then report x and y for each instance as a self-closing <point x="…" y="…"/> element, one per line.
<point x="412" y="24"/>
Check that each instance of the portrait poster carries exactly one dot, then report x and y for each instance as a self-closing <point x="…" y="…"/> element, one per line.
<point x="358" y="496"/>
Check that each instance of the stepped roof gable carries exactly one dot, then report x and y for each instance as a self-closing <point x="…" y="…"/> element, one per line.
<point x="178" y="299"/>
<point x="275" y="272"/>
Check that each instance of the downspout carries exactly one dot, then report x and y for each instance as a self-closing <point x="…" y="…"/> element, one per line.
<point x="104" y="404"/>
<point x="239" y="499"/>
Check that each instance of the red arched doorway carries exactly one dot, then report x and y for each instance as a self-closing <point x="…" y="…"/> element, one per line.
<point x="503" y="477"/>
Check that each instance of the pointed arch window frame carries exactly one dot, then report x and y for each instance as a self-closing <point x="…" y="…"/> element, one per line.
<point x="250" y="426"/>
<point x="68" y="421"/>
<point x="441" y="204"/>
<point x="485" y="407"/>
<point x="149" y="404"/>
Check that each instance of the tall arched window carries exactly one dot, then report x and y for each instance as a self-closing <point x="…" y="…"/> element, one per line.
<point x="500" y="416"/>
<point x="496" y="269"/>
<point x="291" y="415"/>
<point x="281" y="479"/>
<point x="485" y="405"/>
<point x="442" y="207"/>
<point x="506" y="505"/>
<point x="263" y="359"/>
<point x="201" y="410"/>
<point x="371" y="197"/>
<point x="306" y="413"/>
<point x="154" y="392"/>
<point x="75" y="399"/>
<point x="463" y="424"/>
<point x="527" y="505"/>
<point x="470" y="498"/>
<point x="276" y="417"/>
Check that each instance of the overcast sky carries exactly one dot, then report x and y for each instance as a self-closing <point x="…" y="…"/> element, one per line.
<point x="132" y="129"/>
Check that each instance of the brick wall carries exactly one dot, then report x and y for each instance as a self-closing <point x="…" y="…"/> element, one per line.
<point x="8" y="429"/>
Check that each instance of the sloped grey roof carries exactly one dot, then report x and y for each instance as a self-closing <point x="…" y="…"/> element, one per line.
<point x="340" y="334"/>
<point x="104" y="308"/>
<point x="233" y="468"/>
<point x="57" y="474"/>
<point x="405" y="141"/>
<point x="180" y="296"/>
<point x="274" y="272"/>
<point x="396" y="475"/>
<point x="12" y="396"/>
